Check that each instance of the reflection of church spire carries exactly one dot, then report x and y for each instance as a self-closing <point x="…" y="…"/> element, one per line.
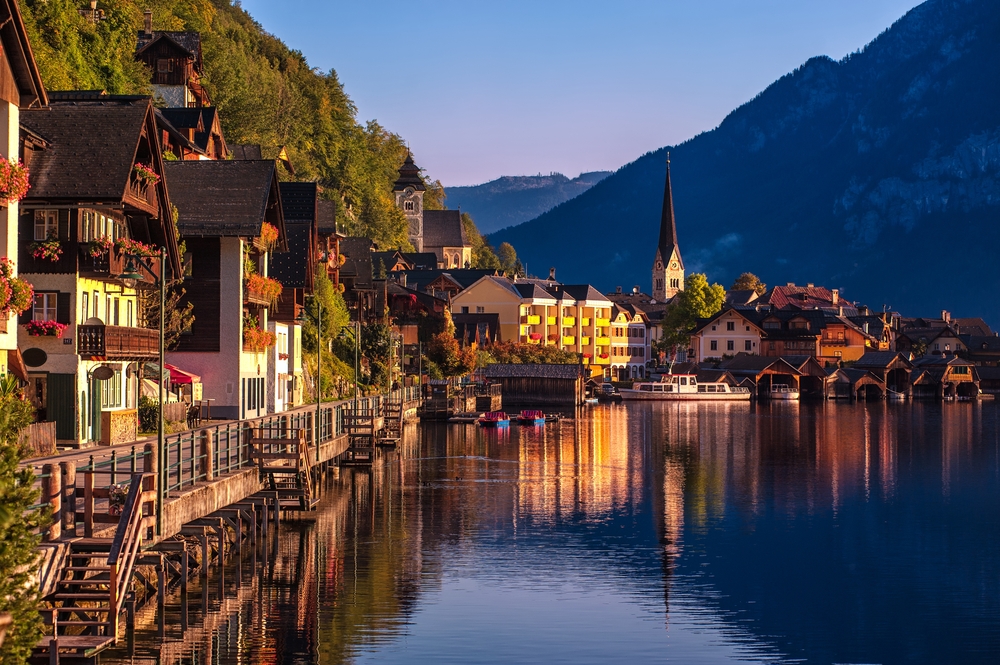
<point x="672" y="525"/>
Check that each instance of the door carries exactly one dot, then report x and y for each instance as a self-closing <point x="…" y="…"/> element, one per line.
<point x="61" y="404"/>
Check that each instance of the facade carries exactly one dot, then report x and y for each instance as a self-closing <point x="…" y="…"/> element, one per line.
<point x="630" y="343"/>
<point x="21" y="88"/>
<point x="87" y="337"/>
<point x="174" y="58"/>
<point x="729" y="332"/>
<point x="668" y="266"/>
<point x="409" y="192"/>
<point x="225" y="211"/>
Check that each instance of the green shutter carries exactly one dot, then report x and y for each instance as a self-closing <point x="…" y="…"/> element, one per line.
<point x="61" y="405"/>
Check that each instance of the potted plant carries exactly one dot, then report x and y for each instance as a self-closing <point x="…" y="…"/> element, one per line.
<point x="116" y="498"/>
<point x="256" y="340"/>
<point x="268" y="236"/>
<point x="49" y="249"/>
<point x="269" y="288"/>
<point x="13" y="181"/>
<point x="95" y="249"/>
<point x="45" y="328"/>
<point x="145" y="174"/>
<point x="134" y="248"/>
<point x="16" y="295"/>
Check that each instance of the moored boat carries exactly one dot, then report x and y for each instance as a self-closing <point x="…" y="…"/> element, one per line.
<point x="494" y="419"/>
<point x="531" y="417"/>
<point x="683" y="387"/>
<point x="782" y="392"/>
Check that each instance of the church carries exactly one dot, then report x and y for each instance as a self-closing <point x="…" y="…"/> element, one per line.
<point x="668" y="266"/>
<point x="437" y="231"/>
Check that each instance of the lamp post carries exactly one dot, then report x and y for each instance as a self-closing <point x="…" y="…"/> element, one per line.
<point x="133" y="272"/>
<point x="319" y="367"/>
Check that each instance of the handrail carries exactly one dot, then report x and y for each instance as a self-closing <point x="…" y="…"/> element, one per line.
<point x="125" y="547"/>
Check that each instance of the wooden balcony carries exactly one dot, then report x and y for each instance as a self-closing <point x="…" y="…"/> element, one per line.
<point x="254" y="296"/>
<point x="142" y="195"/>
<point x="117" y="343"/>
<point x="111" y="262"/>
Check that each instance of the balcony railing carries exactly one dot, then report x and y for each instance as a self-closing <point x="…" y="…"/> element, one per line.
<point x="569" y="340"/>
<point x="111" y="262"/>
<point x="142" y="192"/>
<point x="585" y="321"/>
<point x="117" y="343"/>
<point x="551" y="320"/>
<point x="603" y="341"/>
<point x="585" y="341"/>
<point x="603" y="322"/>
<point x="531" y="319"/>
<point x="569" y="320"/>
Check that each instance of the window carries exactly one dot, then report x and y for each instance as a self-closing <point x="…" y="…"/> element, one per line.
<point x="747" y="345"/>
<point x="465" y="310"/>
<point x="713" y="327"/>
<point x="164" y="65"/>
<point x="730" y="345"/>
<point x="937" y="347"/>
<point x="772" y="325"/>
<point x="659" y="283"/>
<point x="45" y="307"/>
<point x="111" y="391"/>
<point x="675" y="283"/>
<point x="129" y="321"/>
<point x="96" y="301"/>
<point x="480" y="310"/>
<point x="837" y="354"/>
<point x="117" y="310"/>
<point x="46" y="224"/>
<point x="714" y="345"/>
<point x="730" y="325"/>
<point x="408" y="206"/>
<point x="84" y="306"/>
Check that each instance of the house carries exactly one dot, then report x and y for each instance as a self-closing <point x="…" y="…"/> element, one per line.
<point x="22" y="89"/>
<point x="654" y="309"/>
<point x="438" y="231"/>
<point x="854" y="383"/>
<point x="175" y="60"/>
<point x="729" y="332"/>
<point x="824" y="334"/>
<point x="944" y="377"/>
<point x="361" y="293"/>
<point x="443" y="283"/>
<point x="88" y="335"/>
<point x="478" y="329"/>
<point x="929" y="341"/>
<point x="329" y="238"/>
<point x="805" y="297"/>
<point x="201" y="127"/>
<point x="892" y="368"/>
<point x="983" y="350"/>
<point x="761" y="373"/>
<point x="397" y="261"/>
<point x="231" y="218"/>
<point x="630" y="349"/>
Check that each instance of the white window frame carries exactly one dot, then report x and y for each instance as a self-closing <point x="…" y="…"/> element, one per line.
<point x="47" y="311"/>
<point x="46" y="224"/>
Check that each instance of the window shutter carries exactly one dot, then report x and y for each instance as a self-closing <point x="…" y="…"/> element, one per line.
<point x="64" y="226"/>
<point x="62" y="308"/>
<point x="26" y="315"/>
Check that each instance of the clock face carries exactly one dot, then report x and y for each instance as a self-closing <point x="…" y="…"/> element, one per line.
<point x="408" y="191"/>
<point x="673" y="266"/>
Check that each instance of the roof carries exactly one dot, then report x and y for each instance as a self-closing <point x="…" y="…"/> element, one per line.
<point x="668" y="226"/>
<point x="444" y="228"/>
<point x="741" y="297"/>
<point x="879" y="359"/>
<point x="409" y="176"/>
<point x="14" y="40"/>
<point x="988" y="373"/>
<point x="245" y="152"/>
<point x="744" y="363"/>
<point x="298" y="201"/>
<point x="504" y="371"/>
<point x="981" y="343"/>
<point x="107" y="149"/>
<point x="358" y="260"/>
<point x="415" y="260"/>
<point x="580" y="292"/>
<point x="326" y="217"/>
<point x="752" y="316"/>
<point x="291" y="268"/>
<point x="464" y="277"/>
<point x="533" y="291"/>
<point x="802" y="297"/>
<point x="189" y="42"/>
<point x="221" y="198"/>
<point x="184" y="118"/>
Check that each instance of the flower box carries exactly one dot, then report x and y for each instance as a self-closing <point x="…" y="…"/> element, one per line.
<point x="13" y="181"/>
<point x="45" y="328"/>
<point x="16" y="295"/>
<point x="145" y="173"/>
<point x="131" y="247"/>
<point x="46" y="250"/>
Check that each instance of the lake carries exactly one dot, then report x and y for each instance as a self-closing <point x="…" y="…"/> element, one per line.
<point x="689" y="533"/>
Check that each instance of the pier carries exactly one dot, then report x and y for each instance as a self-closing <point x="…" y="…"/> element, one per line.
<point x="111" y="543"/>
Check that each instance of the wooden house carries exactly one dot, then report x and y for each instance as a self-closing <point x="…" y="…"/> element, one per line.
<point x="538" y="386"/>
<point x="944" y="377"/>
<point x="20" y="88"/>
<point x="891" y="367"/>
<point x="230" y="217"/>
<point x="201" y="127"/>
<point x="175" y="63"/>
<point x="97" y="201"/>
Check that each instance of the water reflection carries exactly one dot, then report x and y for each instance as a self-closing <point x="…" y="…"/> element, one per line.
<point x="703" y="533"/>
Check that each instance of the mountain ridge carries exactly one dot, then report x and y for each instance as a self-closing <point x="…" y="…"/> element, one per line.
<point x="854" y="173"/>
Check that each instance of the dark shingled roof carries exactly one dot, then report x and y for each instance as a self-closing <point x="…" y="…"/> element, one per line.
<point x="326" y="217"/>
<point x="532" y="290"/>
<point x="358" y="263"/>
<point x="580" y="292"/>
<point x="243" y="153"/>
<point x="464" y="277"/>
<point x="186" y="41"/>
<point x="878" y="359"/>
<point x="220" y="198"/>
<point x="91" y="149"/>
<point x="290" y="268"/>
<point x="409" y="176"/>
<point x="741" y="297"/>
<point x="184" y="118"/>
<point x="443" y="228"/>
<point x="502" y="371"/>
<point x="298" y="201"/>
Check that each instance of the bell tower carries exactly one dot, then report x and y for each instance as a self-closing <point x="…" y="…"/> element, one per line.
<point x="409" y="192"/>
<point x="668" y="267"/>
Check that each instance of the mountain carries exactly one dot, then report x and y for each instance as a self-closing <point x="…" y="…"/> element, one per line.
<point x="510" y="200"/>
<point x="878" y="174"/>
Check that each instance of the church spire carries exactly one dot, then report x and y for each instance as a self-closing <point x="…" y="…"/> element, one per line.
<point x="668" y="227"/>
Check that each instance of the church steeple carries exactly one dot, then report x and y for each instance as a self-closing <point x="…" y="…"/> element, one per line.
<point x="668" y="267"/>
<point x="409" y="191"/>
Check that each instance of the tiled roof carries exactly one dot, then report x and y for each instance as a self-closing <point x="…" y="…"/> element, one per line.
<point x="326" y="217"/>
<point x="741" y="297"/>
<point x="581" y="292"/>
<point x="464" y="277"/>
<point x="803" y="297"/>
<point x="184" y="118"/>
<point x="499" y="371"/>
<point x="298" y="201"/>
<point x="743" y="363"/>
<point x="981" y="343"/>
<point x="186" y="41"/>
<point x="358" y="263"/>
<point x="443" y="228"/>
<point x="291" y="267"/>
<point x="220" y="198"/>
<point x="878" y="359"/>
<point x="533" y="292"/>
<point x="91" y="149"/>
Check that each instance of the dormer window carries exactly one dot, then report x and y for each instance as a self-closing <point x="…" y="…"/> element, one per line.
<point x="772" y="325"/>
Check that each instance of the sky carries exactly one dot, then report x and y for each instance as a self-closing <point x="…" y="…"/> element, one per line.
<point x="513" y="87"/>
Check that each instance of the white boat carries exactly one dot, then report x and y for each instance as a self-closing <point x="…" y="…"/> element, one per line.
<point x="683" y="387"/>
<point x="894" y="395"/>
<point x="781" y="391"/>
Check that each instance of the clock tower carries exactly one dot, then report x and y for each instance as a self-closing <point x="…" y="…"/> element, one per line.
<point x="409" y="192"/>
<point x="668" y="267"/>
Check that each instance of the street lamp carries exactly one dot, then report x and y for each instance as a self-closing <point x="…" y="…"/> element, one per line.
<point x="134" y="267"/>
<point x="319" y="365"/>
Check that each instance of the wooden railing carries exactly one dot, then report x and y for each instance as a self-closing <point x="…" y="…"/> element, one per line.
<point x="117" y="343"/>
<point x="127" y="543"/>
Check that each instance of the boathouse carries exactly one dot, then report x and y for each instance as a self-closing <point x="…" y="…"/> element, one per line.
<point x="538" y="385"/>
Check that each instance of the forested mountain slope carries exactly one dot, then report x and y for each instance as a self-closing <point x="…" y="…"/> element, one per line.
<point x="878" y="174"/>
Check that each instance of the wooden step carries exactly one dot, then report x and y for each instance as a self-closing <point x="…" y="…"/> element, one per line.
<point x="67" y="610"/>
<point x="85" y="580"/>
<point x="71" y="622"/>
<point x="80" y="545"/>
<point x="86" y="568"/>
<point x="80" y="595"/>
<point x="86" y="645"/>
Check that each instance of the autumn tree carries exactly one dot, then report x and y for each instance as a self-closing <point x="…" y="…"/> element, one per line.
<point x="749" y="282"/>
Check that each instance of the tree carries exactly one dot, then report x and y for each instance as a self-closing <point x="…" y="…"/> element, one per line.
<point x="482" y="254"/>
<point x="749" y="282"/>
<point x="335" y="315"/>
<point x="509" y="262"/>
<point x="18" y="593"/>
<point x="698" y="300"/>
<point x="178" y="315"/>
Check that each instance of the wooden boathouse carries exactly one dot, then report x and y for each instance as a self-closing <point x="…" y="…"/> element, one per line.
<point x="538" y="385"/>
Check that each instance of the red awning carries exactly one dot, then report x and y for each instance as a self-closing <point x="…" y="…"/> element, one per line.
<point x="178" y="375"/>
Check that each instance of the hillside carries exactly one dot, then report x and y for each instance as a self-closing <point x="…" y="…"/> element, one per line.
<point x="266" y="92"/>
<point x="511" y="200"/>
<point x="878" y="174"/>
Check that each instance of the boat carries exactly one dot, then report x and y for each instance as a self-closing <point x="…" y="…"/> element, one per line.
<point x="894" y="395"/>
<point x="590" y="400"/>
<point x="552" y="417"/>
<point x="494" y="419"/>
<point x="531" y="417"/>
<point x="684" y="387"/>
<point x="465" y="418"/>
<point x="607" y="392"/>
<point x="781" y="391"/>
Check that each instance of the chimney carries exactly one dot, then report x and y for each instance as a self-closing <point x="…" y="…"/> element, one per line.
<point x="835" y="297"/>
<point x="552" y="274"/>
<point x="866" y="328"/>
<point x="810" y="285"/>
<point x="618" y="289"/>
<point x="946" y="316"/>
<point x="148" y="17"/>
<point x="863" y="310"/>
<point x="635" y="290"/>
<point x="790" y="284"/>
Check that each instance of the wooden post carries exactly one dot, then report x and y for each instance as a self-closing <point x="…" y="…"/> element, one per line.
<point x="69" y="497"/>
<point x="161" y="597"/>
<point x="208" y="455"/>
<point x="52" y="494"/>
<point x="88" y="504"/>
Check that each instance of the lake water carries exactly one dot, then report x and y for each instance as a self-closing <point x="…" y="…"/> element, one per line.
<point x="688" y="533"/>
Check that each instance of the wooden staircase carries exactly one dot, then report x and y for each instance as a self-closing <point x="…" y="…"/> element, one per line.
<point x="391" y="434"/>
<point x="362" y="428"/>
<point x="87" y="601"/>
<point x="285" y="467"/>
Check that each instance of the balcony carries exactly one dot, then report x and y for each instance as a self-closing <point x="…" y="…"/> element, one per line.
<point x="117" y="343"/>
<point x="531" y="319"/>
<point x="603" y="341"/>
<point x="143" y="194"/>
<point x="585" y="321"/>
<point x="569" y="320"/>
<point x="602" y="359"/>
<point x="834" y="342"/>
<point x="259" y="290"/>
<point x="584" y="341"/>
<point x="111" y="262"/>
<point x="569" y="340"/>
<point x="603" y="323"/>
<point x="551" y="320"/>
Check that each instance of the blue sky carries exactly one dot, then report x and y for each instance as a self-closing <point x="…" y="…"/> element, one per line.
<point x="513" y="87"/>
